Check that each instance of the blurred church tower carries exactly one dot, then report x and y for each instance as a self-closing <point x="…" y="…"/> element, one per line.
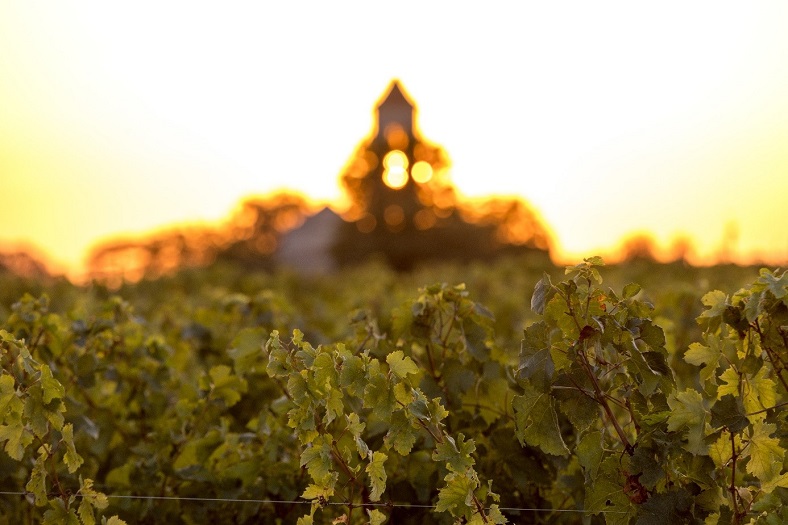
<point x="395" y="175"/>
<point x="403" y="208"/>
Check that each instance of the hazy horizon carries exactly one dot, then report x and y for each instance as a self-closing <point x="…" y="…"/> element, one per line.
<point x="610" y="120"/>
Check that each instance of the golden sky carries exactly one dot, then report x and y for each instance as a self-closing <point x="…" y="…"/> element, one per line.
<point x="609" y="117"/>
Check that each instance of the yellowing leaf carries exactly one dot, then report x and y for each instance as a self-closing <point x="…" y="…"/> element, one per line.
<point x="720" y="451"/>
<point x="72" y="459"/>
<point x="457" y="454"/>
<point x="766" y="454"/>
<point x="456" y="496"/>
<point x="37" y="483"/>
<point x="376" y="517"/>
<point x="114" y="520"/>
<point x="716" y="302"/>
<point x="51" y="386"/>
<point x="17" y="438"/>
<point x="9" y="401"/>
<point x="730" y="385"/>
<point x="401" y="366"/>
<point x="377" y="475"/>
<point x="226" y="386"/>
<point x="316" y="491"/>
<point x="697" y="354"/>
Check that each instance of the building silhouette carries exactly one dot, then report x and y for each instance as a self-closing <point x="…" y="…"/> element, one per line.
<point x="404" y="209"/>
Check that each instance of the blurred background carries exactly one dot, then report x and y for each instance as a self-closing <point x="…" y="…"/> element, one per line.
<point x="138" y="138"/>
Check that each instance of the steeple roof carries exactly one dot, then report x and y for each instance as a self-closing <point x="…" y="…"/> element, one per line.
<point x="396" y="96"/>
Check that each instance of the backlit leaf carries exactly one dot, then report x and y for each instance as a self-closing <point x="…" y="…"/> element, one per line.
<point x="377" y="475"/>
<point x="400" y="364"/>
<point x="536" y="422"/>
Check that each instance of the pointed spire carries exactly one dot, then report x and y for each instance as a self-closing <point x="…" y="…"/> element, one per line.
<point x="396" y="109"/>
<point x="396" y="96"/>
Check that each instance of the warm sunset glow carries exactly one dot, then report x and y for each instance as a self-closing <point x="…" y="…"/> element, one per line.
<point x="395" y="173"/>
<point x="609" y="119"/>
<point x="421" y="172"/>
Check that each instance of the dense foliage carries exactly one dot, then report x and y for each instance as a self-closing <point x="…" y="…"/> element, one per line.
<point x="526" y="394"/>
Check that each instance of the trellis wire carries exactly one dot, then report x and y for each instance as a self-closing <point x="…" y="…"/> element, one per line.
<point x="304" y="502"/>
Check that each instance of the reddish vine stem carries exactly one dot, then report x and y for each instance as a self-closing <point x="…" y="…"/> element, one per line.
<point x="602" y="400"/>
<point x="599" y="396"/>
<point x="479" y="508"/>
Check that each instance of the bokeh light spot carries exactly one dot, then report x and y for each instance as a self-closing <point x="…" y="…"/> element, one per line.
<point x="396" y="137"/>
<point x="367" y="223"/>
<point x="421" y="172"/>
<point x="394" y="215"/>
<point x="395" y="174"/>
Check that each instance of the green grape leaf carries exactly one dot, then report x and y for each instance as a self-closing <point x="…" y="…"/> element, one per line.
<point x="581" y="410"/>
<point x="778" y="481"/>
<point x="401" y="435"/>
<point x="557" y="312"/>
<point x="457" y="454"/>
<point x="225" y="385"/>
<point x="654" y="337"/>
<point x="114" y="520"/>
<point x="196" y="451"/>
<point x="313" y="491"/>
<point x="589" y="453"/>
<point x="536" y="362"/>
<point x="90" y="499"/>
<point x="59" y="514"/>
<point x="644" y="464"/>
<point x="728" y="412"/>
<point x="334" y="405"/>
<point x="377" y="475"/>
<point x="730" y="383"/>
<point x="401" y="366"/>
<point x="493" y="515"/>
<point x="352" y="376"/>
<point x="379" y="396"/>
<point x="721" y="451"/>
<point x="715" y="301"/>
<point x="543" y="292"/>
<point x="689" y="411"/>
<point x="457" y="495"/>
<point x="536" y="422"/>
<point x="637" y="366"/>
<point x="245" y="350"/>
<point x="325" y="373"/>
<point x="778" y="286"/>
<point x="37" y="483"/>
<point x="277" y="356"/>
<point x="51" y="387"/>
<point x="606" y="495"/>
<point x="72" y="459"/>
<point x="9" y="401"/>
<point x="669" y="507"/>
<point x="17" y="438"/>
<point x="697" y="355"/>
<point x="317" y="460"/>
<point x="630" y="291"/>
